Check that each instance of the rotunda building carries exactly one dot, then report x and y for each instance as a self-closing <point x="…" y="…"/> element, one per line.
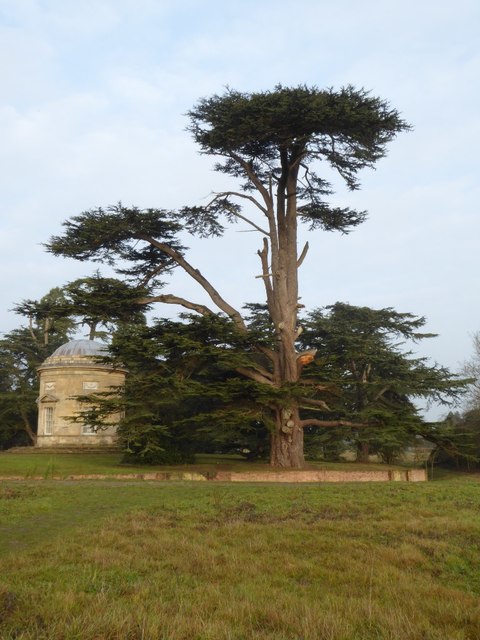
<point x="73" y="370"/>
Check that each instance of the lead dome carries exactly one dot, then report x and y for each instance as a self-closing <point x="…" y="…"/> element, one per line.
<point x="80" y="348"/>
<point x="76" y="352"/>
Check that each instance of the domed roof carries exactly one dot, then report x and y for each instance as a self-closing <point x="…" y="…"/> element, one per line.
<point x="81" y="348"/>
<point x="78" y="353"/>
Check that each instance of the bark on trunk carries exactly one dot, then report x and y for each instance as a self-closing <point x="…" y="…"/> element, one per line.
<point x="286" y="449"/>
<point x="281" y="286"/>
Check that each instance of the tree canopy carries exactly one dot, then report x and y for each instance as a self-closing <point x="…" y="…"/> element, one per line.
<point x="364" y="353"/>
<point x="273" y="143"/>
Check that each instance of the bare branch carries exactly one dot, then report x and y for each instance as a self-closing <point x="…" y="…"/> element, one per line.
<point x="252" y="224"/>
<point x="316" y="403"/>
<point x="236" y="213"/>
<point x="267" y="198"/>
<point x="303" y="255"/>
<point x="262" y="370"/>
<point x="254" y="375"/>
<point x="380" y="394"/>
<point x="314" y="383"/>
<point x="30" y="329"/>
<point x="313" y="422"/>
<point x="263" y="254"/>
<point x="171" y="299"/>
<point x="149" y="275"/>
<point x="198" y="277"/>
<point x="366" y="373"/>
<point x="248" y="168"/>
<point x="26" y="424"/>
<point x="238" y="194"/>
<point x="297" y="162"/>
<point x="268" y="353"/>
<point x="353" y="366"/>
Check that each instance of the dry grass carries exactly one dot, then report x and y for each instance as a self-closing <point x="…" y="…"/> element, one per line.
<point x="185" y="561"/>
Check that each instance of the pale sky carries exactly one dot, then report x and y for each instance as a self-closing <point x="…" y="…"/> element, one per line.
<point x="93" y="101"/>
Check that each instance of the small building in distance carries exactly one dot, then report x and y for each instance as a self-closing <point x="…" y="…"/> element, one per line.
<point x="74" y="369"/>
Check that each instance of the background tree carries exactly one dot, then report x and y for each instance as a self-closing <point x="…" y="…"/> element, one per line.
<point x="98" y="303"/>
<point x="471" y="369"/>
<point x="270" y="142"/>
<point x="21" y="352"/>
<point x="457" y="438"/>
<point x="49" y="318"/>
<point x="378" y="379"/>
<point x="19" y="357"/>
<point x="104" y="303"/>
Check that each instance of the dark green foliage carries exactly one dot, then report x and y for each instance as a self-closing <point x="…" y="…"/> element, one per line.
<point x="18" y="413"/>
<point x="103" y="301"/>
<point x="49" y="319"/>
<point x="327" y="444"/>
<point x="198" y="392"/>
<point x="182" y="393"/>
<point x="223" y="368"/>
<point x="93" y="301"/>
<point x="111" y="234"/>
<point x="349" y="129"/>
<point x="153" y="445"/>
<point x="21" y="352"/>
<point x="362" y="351"/>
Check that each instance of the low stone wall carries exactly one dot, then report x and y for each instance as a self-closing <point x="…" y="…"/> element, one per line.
<point x="410" y="475"/>
<point x="77" y="443"/>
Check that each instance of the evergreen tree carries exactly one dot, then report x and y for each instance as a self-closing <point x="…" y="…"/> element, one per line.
<point x="271" y="142"/>
<point x="182" y="392"/>
<point x="99" y="303"/>
<point x="49" y="319"/>
<point x="362" y="351"/>
<point x="107" y="303"/>
<point x="185" y="390"/>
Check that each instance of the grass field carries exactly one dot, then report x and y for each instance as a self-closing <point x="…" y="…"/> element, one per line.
<point x="28" y="465"/>
<point x="128" y="561"/>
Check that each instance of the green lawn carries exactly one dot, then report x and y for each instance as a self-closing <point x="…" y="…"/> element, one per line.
<point x="128" y="560"/>
<point x="27" y="465"/>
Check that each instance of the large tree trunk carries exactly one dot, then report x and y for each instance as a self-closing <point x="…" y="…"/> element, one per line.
<point x="287" y="440"/>
<point x="287" y="437"/>
<point x="282" y="296"/>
